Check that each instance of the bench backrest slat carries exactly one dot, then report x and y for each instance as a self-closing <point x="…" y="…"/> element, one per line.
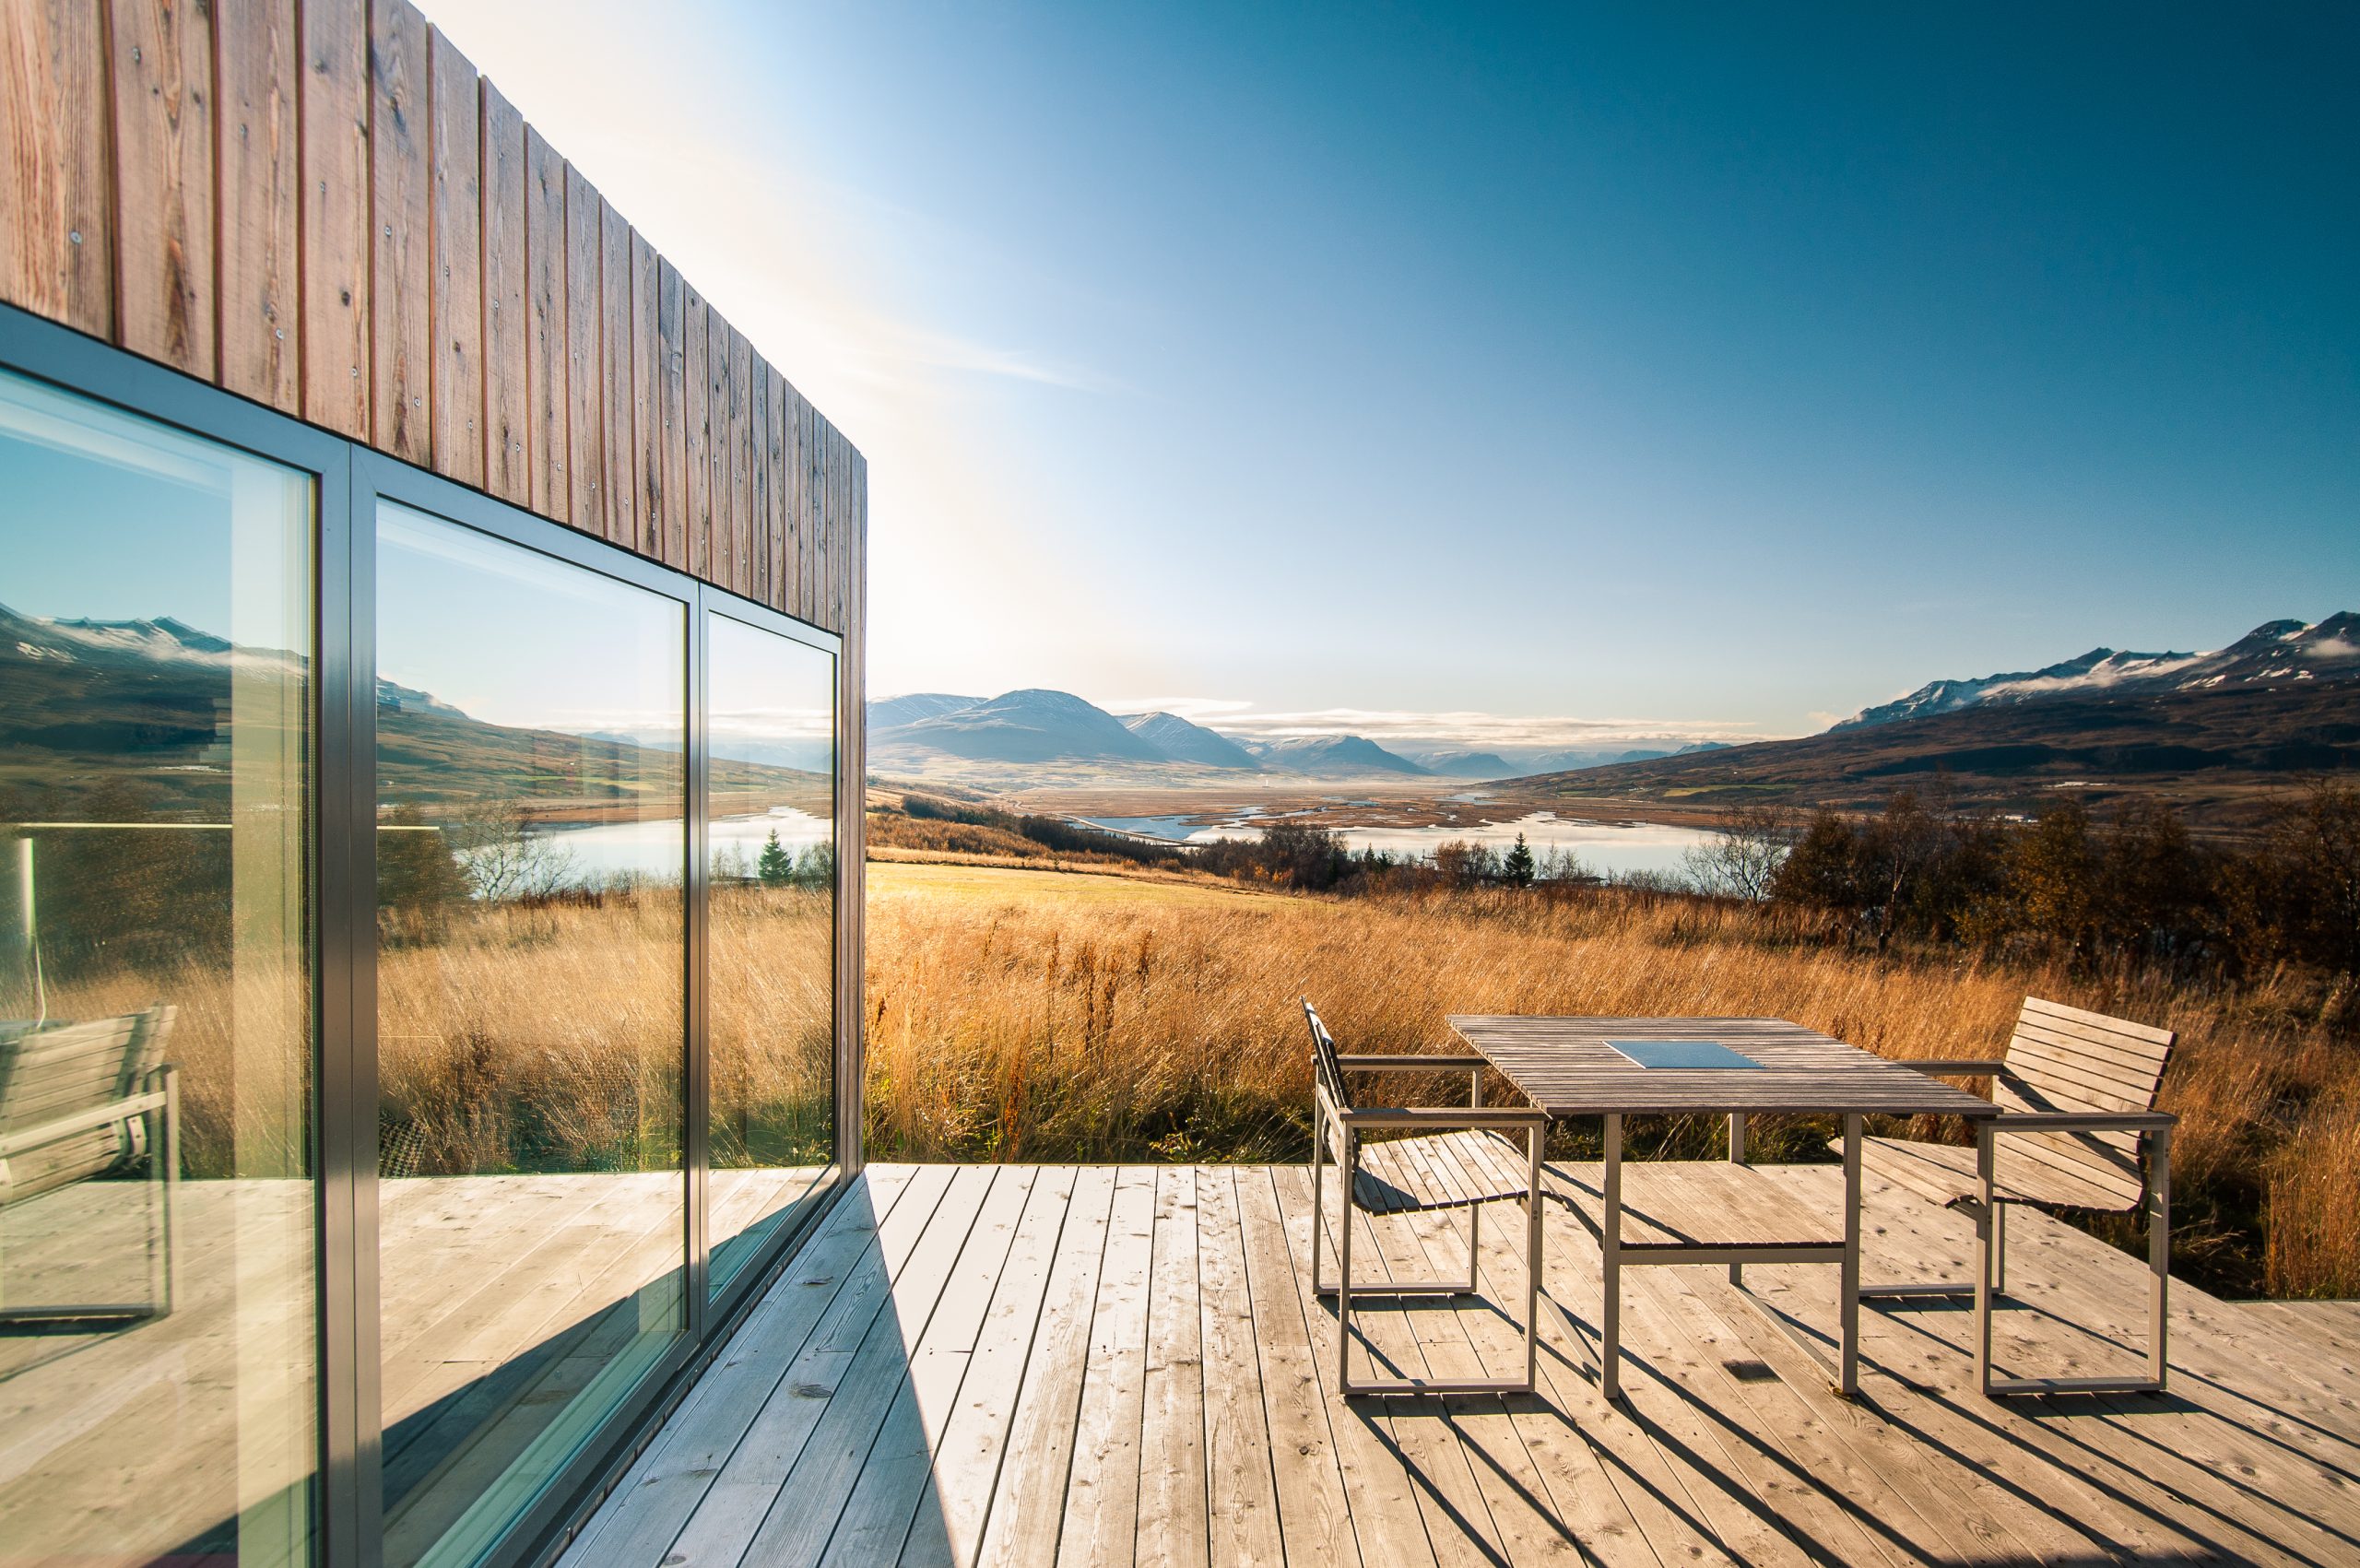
<point x="2064" y="1058"/>
<point x="1324" y="1065"/>
<point x="49" y="1074"/>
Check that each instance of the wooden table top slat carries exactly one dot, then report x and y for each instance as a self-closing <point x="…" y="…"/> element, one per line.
<point x="1565" y="1066"/>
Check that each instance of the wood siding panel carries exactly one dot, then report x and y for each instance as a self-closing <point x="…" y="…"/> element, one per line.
<point x="401" y="173"/>
<point x="255" y="62"/>
<point x="672" y="387"/>
<point x="646" y="402"/>
<point x="720" y="532"/>
<point x="333" y="159"/>
<point x="782" y="516"/>
<point x="615" y="330"/>
<point x="163" y="220"/>
<point x="507" y="321"/>
<point x="585" y="404"/>
<point x="807" y="532"/>
<point x="758" y="480"/>
<point x="740" y="580"/>
<point x="456" y="312"/>
<point x="696" y="447"/>
<point x="323" y="206"/>
<point x="545" y="356"/>
<point x="57" y="205"/>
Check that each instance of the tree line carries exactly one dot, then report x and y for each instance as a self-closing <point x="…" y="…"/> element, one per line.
<point x="2135" y="883"/>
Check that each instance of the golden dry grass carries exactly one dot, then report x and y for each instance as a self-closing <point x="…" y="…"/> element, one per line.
<point x="1060" y="1020"/>
<point x="1041" y="1014"/>
<point x="525" y="1039"/>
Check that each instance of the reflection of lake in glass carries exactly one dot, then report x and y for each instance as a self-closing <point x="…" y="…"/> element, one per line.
<point x="1605" y="848"/>
<point x="652" y="849"/>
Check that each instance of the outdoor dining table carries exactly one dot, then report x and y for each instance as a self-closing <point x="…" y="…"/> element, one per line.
<point x="1713" y="1211"/>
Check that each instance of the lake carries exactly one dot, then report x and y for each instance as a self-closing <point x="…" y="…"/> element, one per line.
<point x="1606" y="848"/>
<point x="652" y="847"/>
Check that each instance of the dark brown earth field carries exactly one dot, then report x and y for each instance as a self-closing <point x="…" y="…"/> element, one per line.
<point x="2221" y="758"/>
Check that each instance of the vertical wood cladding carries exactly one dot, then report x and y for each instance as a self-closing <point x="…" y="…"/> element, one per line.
<point x="320" y="204"/>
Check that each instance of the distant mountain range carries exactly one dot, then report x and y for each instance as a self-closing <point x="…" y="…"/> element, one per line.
<point x="1038" y="725"/>
<point x="2272" y="653"/>
<point x="85" y="702"/>
<point x="2219" y="735"/>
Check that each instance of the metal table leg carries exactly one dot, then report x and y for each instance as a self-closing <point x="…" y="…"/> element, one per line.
<point x="1848" y="1303"/>
<point x="1609" y="1247"/>
<point x="1986" y="1234"/>
<point x="1736" y="1157"/>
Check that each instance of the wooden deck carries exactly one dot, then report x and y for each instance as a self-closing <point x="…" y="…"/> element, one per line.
<point x="499" y="1293"/>
<point x="1060" y="1365"/>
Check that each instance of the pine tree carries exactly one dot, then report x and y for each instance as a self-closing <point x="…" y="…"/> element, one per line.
<point x="1517" y="869"/>
<point x="776" y="868"/>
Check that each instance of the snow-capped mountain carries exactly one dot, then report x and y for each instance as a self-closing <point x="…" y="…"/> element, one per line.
<point x="1186" y="742"/>
<point x="1039" y="726"/>
<point x="1031" y="725"/>
<point x="1333" y="755"/>
<point x="2275" y="651"/>
<point x="894" y="712"/>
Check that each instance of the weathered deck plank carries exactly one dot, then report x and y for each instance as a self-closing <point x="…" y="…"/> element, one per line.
<point x="1124" y="1364"/>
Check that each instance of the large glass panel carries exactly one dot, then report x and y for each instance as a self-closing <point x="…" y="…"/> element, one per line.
<point x="531" y="852"/>
<point x="158" y="1360"/>
<point x="771" y="711"/>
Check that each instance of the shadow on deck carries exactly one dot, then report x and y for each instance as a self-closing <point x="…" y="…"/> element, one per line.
<point x="1038" y="1364"/>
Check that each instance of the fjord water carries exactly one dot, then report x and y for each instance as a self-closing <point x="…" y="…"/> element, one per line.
<point x="1604" y="848"/>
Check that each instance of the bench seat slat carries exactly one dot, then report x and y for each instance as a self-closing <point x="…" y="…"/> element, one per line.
<point x="1408" y="1174"/>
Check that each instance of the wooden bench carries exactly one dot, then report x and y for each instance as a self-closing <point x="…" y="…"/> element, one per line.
<point x="2078" y="1093"/>
<point x="1457" y="1157"/>
<point x="84" y="1100"/>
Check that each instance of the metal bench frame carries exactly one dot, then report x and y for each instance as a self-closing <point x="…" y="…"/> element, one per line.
<point x="1335" y="1116"/>
<point x="1988" y="1203"/>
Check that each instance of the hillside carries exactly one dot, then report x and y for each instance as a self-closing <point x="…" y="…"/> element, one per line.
<point x="2218" y="753"/>
<point x="83" y="701"/>
<point x="935" y="735"/>
<point x="1186" y="742"/>
<point x="2277" y="652"/>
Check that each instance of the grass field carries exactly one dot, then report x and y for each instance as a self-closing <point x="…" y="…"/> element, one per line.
<point x="1033" y="1015"/>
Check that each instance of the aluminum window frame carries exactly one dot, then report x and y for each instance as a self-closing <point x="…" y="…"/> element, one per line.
<point x="349" y="480"/>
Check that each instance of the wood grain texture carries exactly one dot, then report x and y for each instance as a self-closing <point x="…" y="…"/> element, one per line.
<point x="401" y="286"/>
<point x="507" y="319"/>
<point x="697" y="432"/>
<point x="255" y="62"/>
<point x="721" y="521"/>
<point x="646" y="401"/>
<point x="455" y="311"/>
<point x="741" y="469"/>
<point x="334" y="158"/>
<point x="545" y="352"/>
<point x="323" y="206"/>
<point x="781" y="519"/>
<point x="162" y="54"/>
<point x="758" y="480"/>
<point x="672" y="388"/>
<point x="620" y="486"/>
<point x="944" y="1379"/>
<point x="586" y="410"/>
<point x="57" y="205"/>
<point x="1566" y="1067"/>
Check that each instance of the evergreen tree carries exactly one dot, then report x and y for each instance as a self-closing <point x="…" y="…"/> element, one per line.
<point x="1517" y="869"/>
<point x="776" y="868"/>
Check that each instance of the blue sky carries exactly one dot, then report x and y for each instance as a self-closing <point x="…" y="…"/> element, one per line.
<point x="1561" y="372"/>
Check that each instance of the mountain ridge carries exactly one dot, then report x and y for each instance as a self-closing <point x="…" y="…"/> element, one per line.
<point x="2274" y="651"/>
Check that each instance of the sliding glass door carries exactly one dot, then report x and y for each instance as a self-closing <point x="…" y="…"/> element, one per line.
<point x="532" y="1047"/>
<point x="771" y="808"/>
<point x="419" y="1021"/>
<point x="159" y="1349"/>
